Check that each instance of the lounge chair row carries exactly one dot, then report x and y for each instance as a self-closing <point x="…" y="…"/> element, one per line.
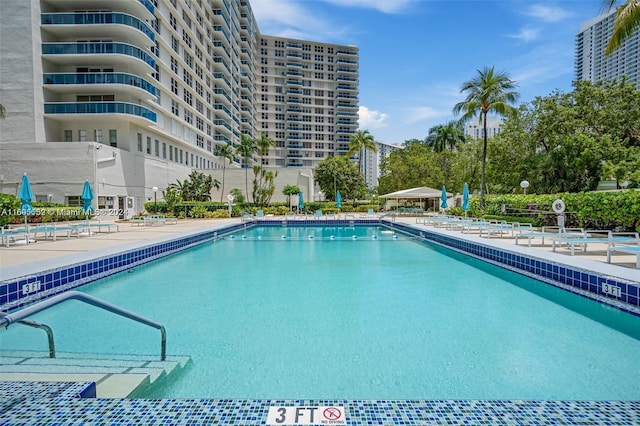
<point x="153" y="220"/>
<point x="53" y="230"/>
<point x="571" y="238"/>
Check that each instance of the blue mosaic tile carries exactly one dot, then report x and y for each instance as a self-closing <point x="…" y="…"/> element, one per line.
<point x="63" y="411"/>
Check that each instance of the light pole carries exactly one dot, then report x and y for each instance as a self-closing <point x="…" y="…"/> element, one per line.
<point x="155" y="198"/>
<point x="524" y="185"/>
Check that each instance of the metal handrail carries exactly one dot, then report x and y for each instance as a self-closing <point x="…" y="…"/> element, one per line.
<point x="392" y="214"/>
<point x="46" y="328"/>
<point x="21" y="315"/>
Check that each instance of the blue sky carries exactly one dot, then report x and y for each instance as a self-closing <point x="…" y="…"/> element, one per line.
<point x="415" y="54"/>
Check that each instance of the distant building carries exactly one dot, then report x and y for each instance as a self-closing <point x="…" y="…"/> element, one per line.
<point x="371" y="162"/>
<point x="590" y="61"/>
<point x="475" y="129"/>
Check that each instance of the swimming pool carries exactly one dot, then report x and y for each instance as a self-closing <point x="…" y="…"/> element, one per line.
<point x="370" y="317"/>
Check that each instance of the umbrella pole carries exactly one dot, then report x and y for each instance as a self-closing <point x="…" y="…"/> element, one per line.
<point x="26" y="230"/>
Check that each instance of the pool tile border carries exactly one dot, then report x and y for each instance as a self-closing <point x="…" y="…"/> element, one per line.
<point x="65" y="411"/>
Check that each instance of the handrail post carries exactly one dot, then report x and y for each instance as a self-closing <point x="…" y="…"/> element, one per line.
<point x="44" y="327"/>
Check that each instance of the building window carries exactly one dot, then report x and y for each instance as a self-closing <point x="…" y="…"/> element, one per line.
<point x="68" y="135"/>
<point x="157" y="148"/>
<point x="97" y="135"/>
<point x="113" y="137"/>
<point x="82" y="135"/>
<point x="164" y="150"/>
<point x="73" y="200"/>
<point x="148" y="145"/>
<point x="139" y="142"/>
<point x="175" y="108"/>
<point x="170" y="153"/>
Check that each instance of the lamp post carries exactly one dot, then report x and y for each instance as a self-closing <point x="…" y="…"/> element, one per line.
<point x="524" y="185"/>
<point x="155" y="198"/>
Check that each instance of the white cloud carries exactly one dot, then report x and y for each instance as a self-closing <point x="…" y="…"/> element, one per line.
<point x="547" y="13"/>
<point x="384" y="6"/>
<point x="369" y="119"/>
<point x="423" y="113"/>
<point x="526" y="34"/>
<point x="294" y="19"/>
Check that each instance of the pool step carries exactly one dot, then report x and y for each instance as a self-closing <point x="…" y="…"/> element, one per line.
<point x="116" y="376"/>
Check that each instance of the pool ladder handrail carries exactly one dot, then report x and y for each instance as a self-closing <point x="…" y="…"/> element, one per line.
<point x="392" y="214"/>
<point x="21" y="315"/>
<point x="44" y="327"/>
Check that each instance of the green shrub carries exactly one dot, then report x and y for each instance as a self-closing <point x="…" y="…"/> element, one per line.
<point x="9" y="204"/>
<point x="219" y="214"/>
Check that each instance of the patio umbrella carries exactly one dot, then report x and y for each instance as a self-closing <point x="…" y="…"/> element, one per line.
<point x="465" y="197"/>
<point x="26" y="195"/>
<point x="338" y="200"/>
<point x="87" y="197"/>
<point x="443" y="197"/>
<point x="300" y="201"/>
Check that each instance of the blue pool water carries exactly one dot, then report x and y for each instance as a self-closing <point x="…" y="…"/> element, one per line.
<point x="314" y="313"/>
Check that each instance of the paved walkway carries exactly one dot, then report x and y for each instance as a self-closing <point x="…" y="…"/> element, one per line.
<point x="46" y="252"/>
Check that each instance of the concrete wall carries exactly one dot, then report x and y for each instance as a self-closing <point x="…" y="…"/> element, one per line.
<point x="235" y="178"/>
<point x="58" y="170"/>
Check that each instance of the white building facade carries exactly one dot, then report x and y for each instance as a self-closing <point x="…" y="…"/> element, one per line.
<point x="134" y="94"/>
<point x="475" y="129"/>
<point x="371" y="161"/>
<point x="590" y="61"/>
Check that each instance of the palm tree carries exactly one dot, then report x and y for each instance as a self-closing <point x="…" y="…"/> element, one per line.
<point x="359" y="141"/>
<point x="627" y="20"/>
<point x="226" y="152"/>
<point x="446" y="136"/>
<point x="487" y="92"/>
<point x="263" y="144"/>
<point x="246" y="149"/>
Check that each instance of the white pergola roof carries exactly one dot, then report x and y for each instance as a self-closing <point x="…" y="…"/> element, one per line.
<point x="416" y="193"/>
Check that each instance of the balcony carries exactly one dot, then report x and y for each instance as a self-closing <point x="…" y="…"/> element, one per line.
<point x="99" y="79"/>
<point x="78" y="50"/>
<point x="64" y="108"/>
<point x="93" y="19"/>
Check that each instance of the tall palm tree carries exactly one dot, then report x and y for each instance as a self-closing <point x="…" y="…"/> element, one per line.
<point x="246" y="149"/>
<point x="627" y="20"/>
<point x="226" y="152"/>
<point x="487" y="92"/>
<point x="360" y="141"/>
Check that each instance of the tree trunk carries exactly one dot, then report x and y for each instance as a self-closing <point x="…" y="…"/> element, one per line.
<point x="484" y="157"/>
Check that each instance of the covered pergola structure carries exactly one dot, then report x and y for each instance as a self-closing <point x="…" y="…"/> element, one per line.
<point x="431" y="196"/>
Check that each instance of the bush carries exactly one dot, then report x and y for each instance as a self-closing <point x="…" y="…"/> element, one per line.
<point x="9" y="204"/>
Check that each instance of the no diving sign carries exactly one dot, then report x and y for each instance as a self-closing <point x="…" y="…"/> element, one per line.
<point x="306" y="416"/>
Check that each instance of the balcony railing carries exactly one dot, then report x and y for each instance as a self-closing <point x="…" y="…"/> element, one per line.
<point x="92" y="18"/>
<point x="148" y="5"/>
<point x="100" y="78"/>
<point x="99" y="108"/>
<point x="98" y="48"/>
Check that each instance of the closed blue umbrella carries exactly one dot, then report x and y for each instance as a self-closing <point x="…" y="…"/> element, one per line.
<point x="300" y="201"/>
<point x="465" y="197"/>
<point x="338" y="200"/>
<point x="87" y="197"/>
<point x="26" y="195"/>
<point x="443" y="197"/>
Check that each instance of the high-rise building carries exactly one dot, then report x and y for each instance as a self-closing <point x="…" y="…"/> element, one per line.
<point x="134" y="94"/>
<point x="371" y="161"/>
<point x="307" y="99"/>
<point x="590" y="61"/>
